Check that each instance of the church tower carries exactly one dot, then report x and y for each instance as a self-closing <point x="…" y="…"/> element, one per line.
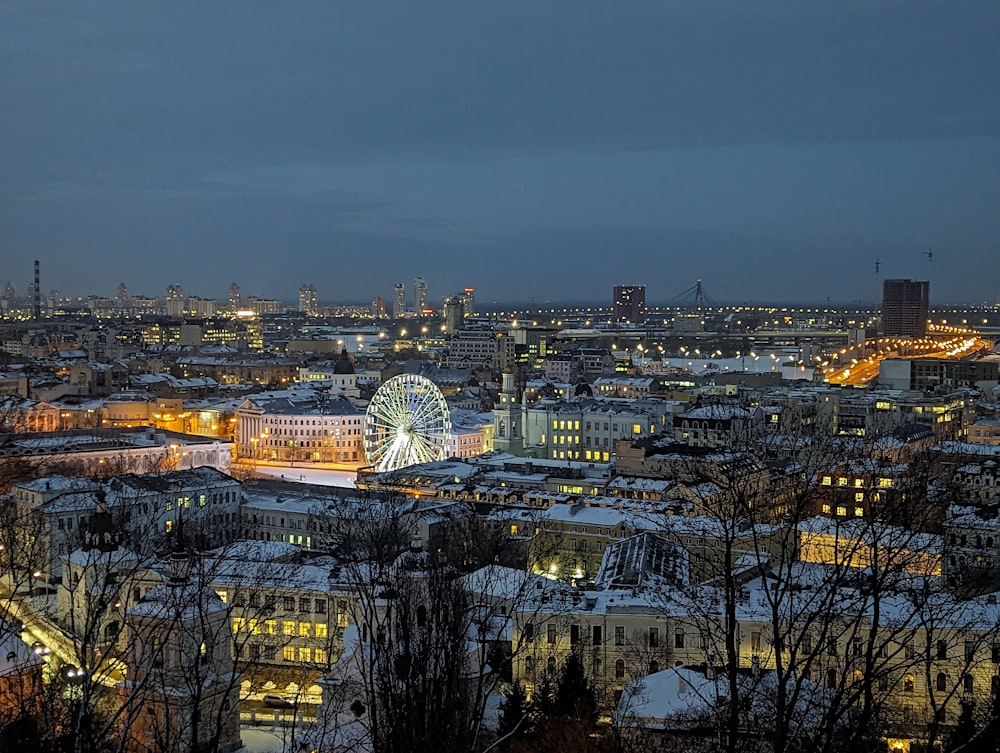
<point x="507" y="419"/>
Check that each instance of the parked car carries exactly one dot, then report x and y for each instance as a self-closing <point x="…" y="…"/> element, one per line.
<point x="277" y="702"/>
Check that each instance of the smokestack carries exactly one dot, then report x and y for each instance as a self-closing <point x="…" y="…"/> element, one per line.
<point x="38" y="294"/>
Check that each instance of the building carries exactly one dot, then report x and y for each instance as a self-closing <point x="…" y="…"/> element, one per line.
<point x="379" y="307"/>
<point x="905" y="304"/>
<point x="472" y="349"/>
<point x="181" y="672"/>
<point x="299" y="425"/>
<point x="454" y="314"/>
<point x="629" y="303"/>
<point x="398" y="301"/>
<point x="235" y="301"/>
<point x="307" y="300"/>
<point x="419" y="295"/>
<point x="175" y="300"/>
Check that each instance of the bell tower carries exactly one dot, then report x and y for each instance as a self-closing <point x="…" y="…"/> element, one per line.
<point x="507" y="419"/>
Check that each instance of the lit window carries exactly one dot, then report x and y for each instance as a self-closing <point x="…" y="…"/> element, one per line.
<point x="305" y="653"/>
<point x="841" y="510"/>
<point x="859" y="496"/>
<point x="859" y="512"/>
<point x="320" y="630"/>
<point x="270" y="627"/>
<point x="288" y="627"/>
<point x="827" y="481"/>
<point x="841" y="481"/>
<point x="304" y="628"/>
<point x="826" y="509"/>
<point x="288" y="653"/>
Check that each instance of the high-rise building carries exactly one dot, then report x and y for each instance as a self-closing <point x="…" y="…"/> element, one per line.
<point x="419" y="295"/>
<point x="378" y="307"/>
<point x="905" y="304"/>
<point x="629" y="303"/>
<point x="175" y="300"/>
<point x="454" y="312"/>
<point x="469" y="301"/>
<point x="121" y="297"/>
<point x="398" y="300"/>
<point x="234" y="298"/>
<point x="307" y="300"/>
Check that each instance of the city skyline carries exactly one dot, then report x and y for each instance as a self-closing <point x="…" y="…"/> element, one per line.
<point x="512" y="148"/>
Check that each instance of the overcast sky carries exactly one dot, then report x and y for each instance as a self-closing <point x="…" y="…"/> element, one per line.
<point x="545" y="149"/>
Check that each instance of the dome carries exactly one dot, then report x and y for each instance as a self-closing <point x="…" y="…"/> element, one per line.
<point x="343" y="365"/>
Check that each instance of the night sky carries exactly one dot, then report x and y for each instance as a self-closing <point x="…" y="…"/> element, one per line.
<point x="773" y="149"/>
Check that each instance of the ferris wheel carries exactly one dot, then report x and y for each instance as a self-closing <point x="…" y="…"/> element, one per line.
<point x="407" y="422"/>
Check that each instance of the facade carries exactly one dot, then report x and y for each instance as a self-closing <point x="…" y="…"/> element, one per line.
<point x="629" y="303"/>
<point x="308" y="304"/>
<point x="299" y="425"/>
<point x="181" y="674"/>
<point x="472" y="349"/>
<point x="398" y="301"/>
<point x="419" y="295"/>
<point x="588" y="428"/>
<point x="905" y="304"/>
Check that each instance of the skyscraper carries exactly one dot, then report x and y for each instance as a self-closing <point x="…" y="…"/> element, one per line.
<point x="629" y="303"/>
<point x="905" y="304"/>
<point x="419" y="295"/>
<point x="175" y="300"/>
<point x="469" y="301"/>
<point x="398" y="300"/>
<point x="234" y="298"/>
<point x="307" y="300"/>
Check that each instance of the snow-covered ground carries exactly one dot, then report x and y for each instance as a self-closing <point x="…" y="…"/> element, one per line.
<point x="306" y="475"/>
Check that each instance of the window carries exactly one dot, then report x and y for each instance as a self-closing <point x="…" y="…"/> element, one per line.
<point x="619" y="635"/>
<point x="305" y="604"/>
<point x="859" y="496"/>
<point x="679" y="638"/>
<point x="654" y="637"/>
<point x="654" y="667"/>
<point x="551" y="632"/>
<point x="596" y="638"/>
<point x="288" y="653"/>
<point x="831" y="678"/>
<point x="620" y="668"/>
<point x="942" y="649"/>
<point x="289" y="603"/>
<point x="550" y="666"/>
<point x="841" y="511"/>
<point x="831" y="646"/>
<point x="755" y="641"/>
<point x="529" y="667"/>
<point x="908" y="682"/>
<point x="827" y="481"/>
<point x="859" y="512"/>
<point x="969" y="684"/>
<point x="319" y="655"/>
<point x="574" y="634"/>
<point x="942" y="682"/>
<point x="305" y="653"/>
<point x="288" y="627"/>
<point x="270" y="627"/>
<point x="319" y="606"/>
<point x="970" y="650"/>
<point x="529" y="631"/>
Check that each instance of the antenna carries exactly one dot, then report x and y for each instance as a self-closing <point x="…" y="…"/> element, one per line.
<point x="929" y="253"/>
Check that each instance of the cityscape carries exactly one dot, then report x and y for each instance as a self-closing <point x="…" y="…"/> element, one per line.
<point x="500" y="378"/>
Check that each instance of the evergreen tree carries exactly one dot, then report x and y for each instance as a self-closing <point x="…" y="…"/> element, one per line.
<point x="574" y="696"/>
<point x="514" y="712"/>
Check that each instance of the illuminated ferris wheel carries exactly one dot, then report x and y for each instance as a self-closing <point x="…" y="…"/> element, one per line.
<point x="407" y="422"/>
